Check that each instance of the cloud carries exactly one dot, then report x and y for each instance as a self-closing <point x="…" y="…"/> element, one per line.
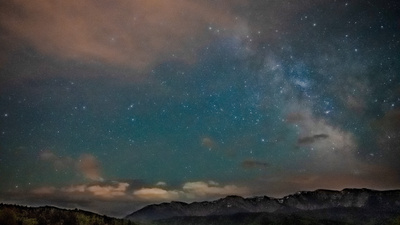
<point x="201" y="189"/>
<point x="135" y="33"/>
<point x="319" y="144"/>
<point x="329" y="137"/>
<point x="254" y="164"/>
<point x="89" y="166"/>
<point x="105" y="198"/>
<point x="161" y="183"/>
<point x="189" y="190"/>
<point x="156" y="194"/>
<point x="48" y="155"/>
<point x="59" y="162"/>
<point x="114" y="190"/>
<point x="75" y="189"/>
<point x="311" y="139"/>
<point x="108" y="197"/>
<point x="329" y="147"/>
<point x="109" y="191"/>
<point x="208" y="143"/>
<point x="44" y="191"/>
<point x="117" y="190"/>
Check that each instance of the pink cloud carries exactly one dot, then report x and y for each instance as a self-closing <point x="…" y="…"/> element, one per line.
<point x="108" y="191"/>
<point x="135" y="33"/>
<point x="44" y="191"/>
<point x="89" y="166"/>
<point x="155" y="194"/>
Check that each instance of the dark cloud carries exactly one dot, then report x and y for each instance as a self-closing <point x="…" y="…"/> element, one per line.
<point x="311" y="139"/>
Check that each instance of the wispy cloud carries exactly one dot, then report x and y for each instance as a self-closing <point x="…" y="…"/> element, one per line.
<point x="209" y="143"/>
<point x="156" y="194"/>
<point x="109" y="191"/>
<point x="117" y="190"/>
<point x="129" y="33"/>
<point x="86" y="165"/>
<point x="324" y="141"/>
<point x="89" y="166"/>
<point x="48" y="190"/>
<point x="59" y="162"/>
<point x="161" y="184"/>
<point x="190" y="190"/>
<point x="201" y="189"/>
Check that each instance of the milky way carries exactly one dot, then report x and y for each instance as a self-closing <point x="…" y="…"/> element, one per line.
<point x="109" y="107"/>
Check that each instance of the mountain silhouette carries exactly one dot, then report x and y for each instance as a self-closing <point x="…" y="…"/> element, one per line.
<point x="328" y="203"/>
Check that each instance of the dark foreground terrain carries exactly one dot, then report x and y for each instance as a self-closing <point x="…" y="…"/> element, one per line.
<point x="350" y="206"/>
<point x="335" y="216"/>
<point x="22" y="215"/>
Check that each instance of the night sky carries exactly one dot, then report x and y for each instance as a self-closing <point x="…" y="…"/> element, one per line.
<point x="112" y="105"/>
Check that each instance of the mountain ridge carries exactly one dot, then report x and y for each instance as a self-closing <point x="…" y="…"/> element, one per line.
<point x="11" y="214"/>
<point x="299" y="201"/>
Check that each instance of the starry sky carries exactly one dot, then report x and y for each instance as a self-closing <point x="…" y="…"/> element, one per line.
<point x="112" y="105"/>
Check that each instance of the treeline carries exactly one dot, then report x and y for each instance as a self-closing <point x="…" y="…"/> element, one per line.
<point x="21" y="215"/>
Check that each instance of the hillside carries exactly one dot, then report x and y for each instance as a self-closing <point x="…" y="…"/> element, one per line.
<point x="16" y="215"/>
<point x="348" y="206"/>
